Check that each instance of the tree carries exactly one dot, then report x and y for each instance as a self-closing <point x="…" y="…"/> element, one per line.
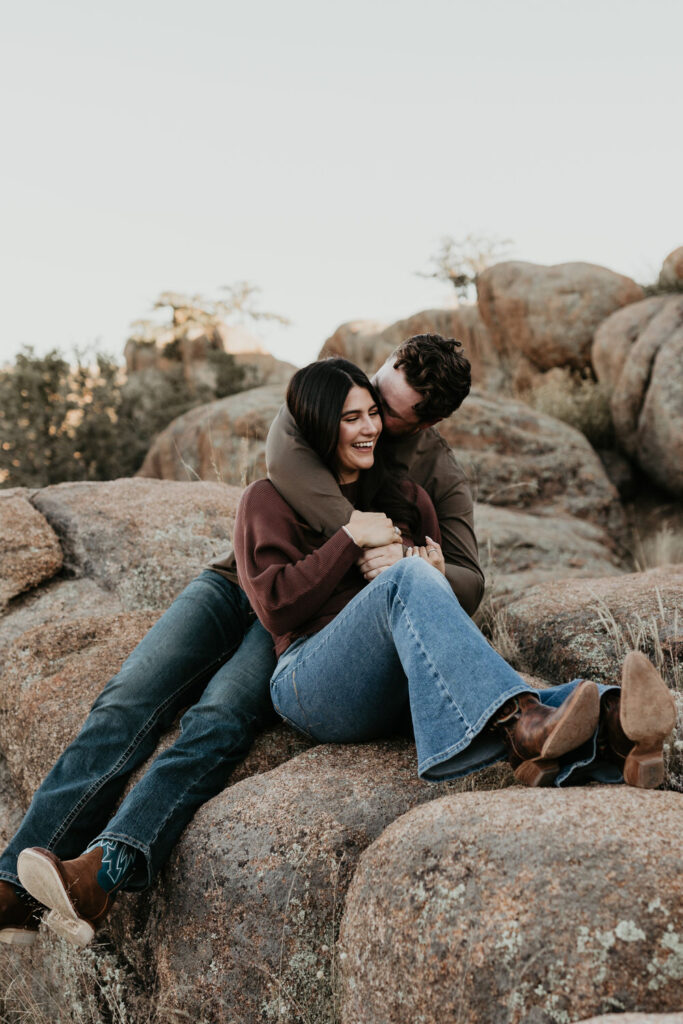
<point x="35" y="404"/>
<point x="460" y="261"/>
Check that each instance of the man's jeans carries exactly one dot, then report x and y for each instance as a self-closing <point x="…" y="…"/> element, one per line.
<point x="206" y="652"/>
<point x="403" y="649"/>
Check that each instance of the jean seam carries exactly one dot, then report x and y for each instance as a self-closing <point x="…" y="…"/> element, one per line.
<point x="289" y="721"/>
<point x="95" y="788"/>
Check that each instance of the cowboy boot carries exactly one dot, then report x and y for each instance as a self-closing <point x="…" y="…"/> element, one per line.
<point x="635" y="722"/>
<point x="77" y="902"/>
<point x="19" y="916"/>
<point x="536" y="736"/>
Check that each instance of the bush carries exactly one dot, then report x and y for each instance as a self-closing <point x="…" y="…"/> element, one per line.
<point x="87" y="422"/>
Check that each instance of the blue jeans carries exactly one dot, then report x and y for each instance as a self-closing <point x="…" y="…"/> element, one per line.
<point x="404" y="650"/>
<point x="206" y="652"/>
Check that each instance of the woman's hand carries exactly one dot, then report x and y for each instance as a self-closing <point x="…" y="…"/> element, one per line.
<point x="374" y="560"/>
<point x="372" y="529"/>
<point x="431" y="553"/>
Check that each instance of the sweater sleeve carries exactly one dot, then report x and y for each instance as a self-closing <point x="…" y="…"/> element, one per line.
<point x="302" y="479"/>
<point x="437" y="471"/>
<point x="285" y="586"/>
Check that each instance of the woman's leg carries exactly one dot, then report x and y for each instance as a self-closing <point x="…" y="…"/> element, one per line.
<point x="166" y="671"/>
<point x="403" y="638"/>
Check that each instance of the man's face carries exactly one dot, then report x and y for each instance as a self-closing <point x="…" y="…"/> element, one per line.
<point x="398" y="401"/>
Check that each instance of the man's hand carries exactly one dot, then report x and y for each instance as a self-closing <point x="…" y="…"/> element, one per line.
<point x="374" y="560"/>
<point x="372" y="529"/>
<point x="431" y="553"/>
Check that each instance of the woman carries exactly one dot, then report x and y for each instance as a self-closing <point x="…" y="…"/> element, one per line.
<point x="357" y="661"/>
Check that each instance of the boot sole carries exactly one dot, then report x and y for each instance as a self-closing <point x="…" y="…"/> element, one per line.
<point x="647" y="713"/>
<point x="578" y="722"/>
<point x="40" y="877"/>
<point x="18" y="936"/>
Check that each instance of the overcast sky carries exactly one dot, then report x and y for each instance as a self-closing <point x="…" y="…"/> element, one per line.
<point x="321" y="151"/>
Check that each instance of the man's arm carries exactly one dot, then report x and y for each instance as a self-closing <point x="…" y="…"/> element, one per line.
<point x="302" y="479"/>
<point x="431" y="464"/>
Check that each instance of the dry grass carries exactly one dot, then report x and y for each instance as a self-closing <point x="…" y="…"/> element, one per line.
<point x="663" y="547"/>
<point x="581" y="402"/>
<point x="645" y="634"/>
<point x="54" y="983"/>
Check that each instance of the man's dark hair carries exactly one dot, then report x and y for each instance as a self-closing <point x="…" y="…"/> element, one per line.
<point x="433" y="366"/>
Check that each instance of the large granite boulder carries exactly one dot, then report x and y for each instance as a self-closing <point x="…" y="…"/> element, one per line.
<point x="639" y="353"/>
<point x="671" y="274"/>
<point x="518" y="906"/>
<point x="143" y="539"/>
<point x="519" y="549"/>
<point x="584" y="627"/>
<point x="517" y="457"/>
<point x="368" y="344"/>
<point x="220" y="441"/>
<point x="616" y="336"/>
<point x="29" y="549"/>
<point x="243" y="926"/>
<point x="51" y="677"/>
<point x="546" y="316"/>
<point x="123" y="544"/>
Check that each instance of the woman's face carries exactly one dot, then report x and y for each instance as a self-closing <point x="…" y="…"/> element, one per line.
<point x="359" y="428"/>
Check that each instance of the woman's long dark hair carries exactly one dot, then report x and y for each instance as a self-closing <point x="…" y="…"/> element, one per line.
<point x="315" y="398"/>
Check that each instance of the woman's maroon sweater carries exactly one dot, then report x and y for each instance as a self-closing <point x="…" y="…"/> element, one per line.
<point x="296" y="580"/>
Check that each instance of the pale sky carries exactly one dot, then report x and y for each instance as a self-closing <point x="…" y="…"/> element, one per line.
<point x="322" y="151"/>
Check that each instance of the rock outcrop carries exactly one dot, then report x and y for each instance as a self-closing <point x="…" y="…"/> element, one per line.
<point x="583" y="627"/>
<point x="518" y="457"/>
<point x="671" y="274"/>
<point x="243" y="921"/>
<point x="223" y="440"/>
<point x="527" y="905"/>
<point x="519" y="549"/>
<point x="543" y="316"/>
<point x="29" y="549"/>
<point x="638" y="352"/>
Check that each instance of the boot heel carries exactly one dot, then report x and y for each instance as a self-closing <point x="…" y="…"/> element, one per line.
<point x="541" y="771"/>
<point x="644" y="768"/>
<point x="76" y="931"/>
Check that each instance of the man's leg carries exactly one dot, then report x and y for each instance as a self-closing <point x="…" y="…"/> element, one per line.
<point x="216" y="734"/>
<point x="167" y="671"/>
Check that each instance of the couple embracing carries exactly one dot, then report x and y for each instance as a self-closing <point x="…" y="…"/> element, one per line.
<point x="359" y="560"/>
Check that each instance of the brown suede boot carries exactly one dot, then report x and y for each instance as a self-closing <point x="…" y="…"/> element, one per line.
<point x="635" y="722"/>
<point x="536" y="735"/>
<point x="69" y="888"/>
<point x="19" y="917"/>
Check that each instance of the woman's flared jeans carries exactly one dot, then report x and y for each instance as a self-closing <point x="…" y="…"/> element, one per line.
<point x="404" y="650"/>
<point x="206" y="652"/>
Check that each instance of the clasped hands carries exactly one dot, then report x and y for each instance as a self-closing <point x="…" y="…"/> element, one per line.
<point x="383" y="545"/>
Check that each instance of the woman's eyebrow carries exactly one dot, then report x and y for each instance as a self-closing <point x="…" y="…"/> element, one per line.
<point x="355" y="412"/>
